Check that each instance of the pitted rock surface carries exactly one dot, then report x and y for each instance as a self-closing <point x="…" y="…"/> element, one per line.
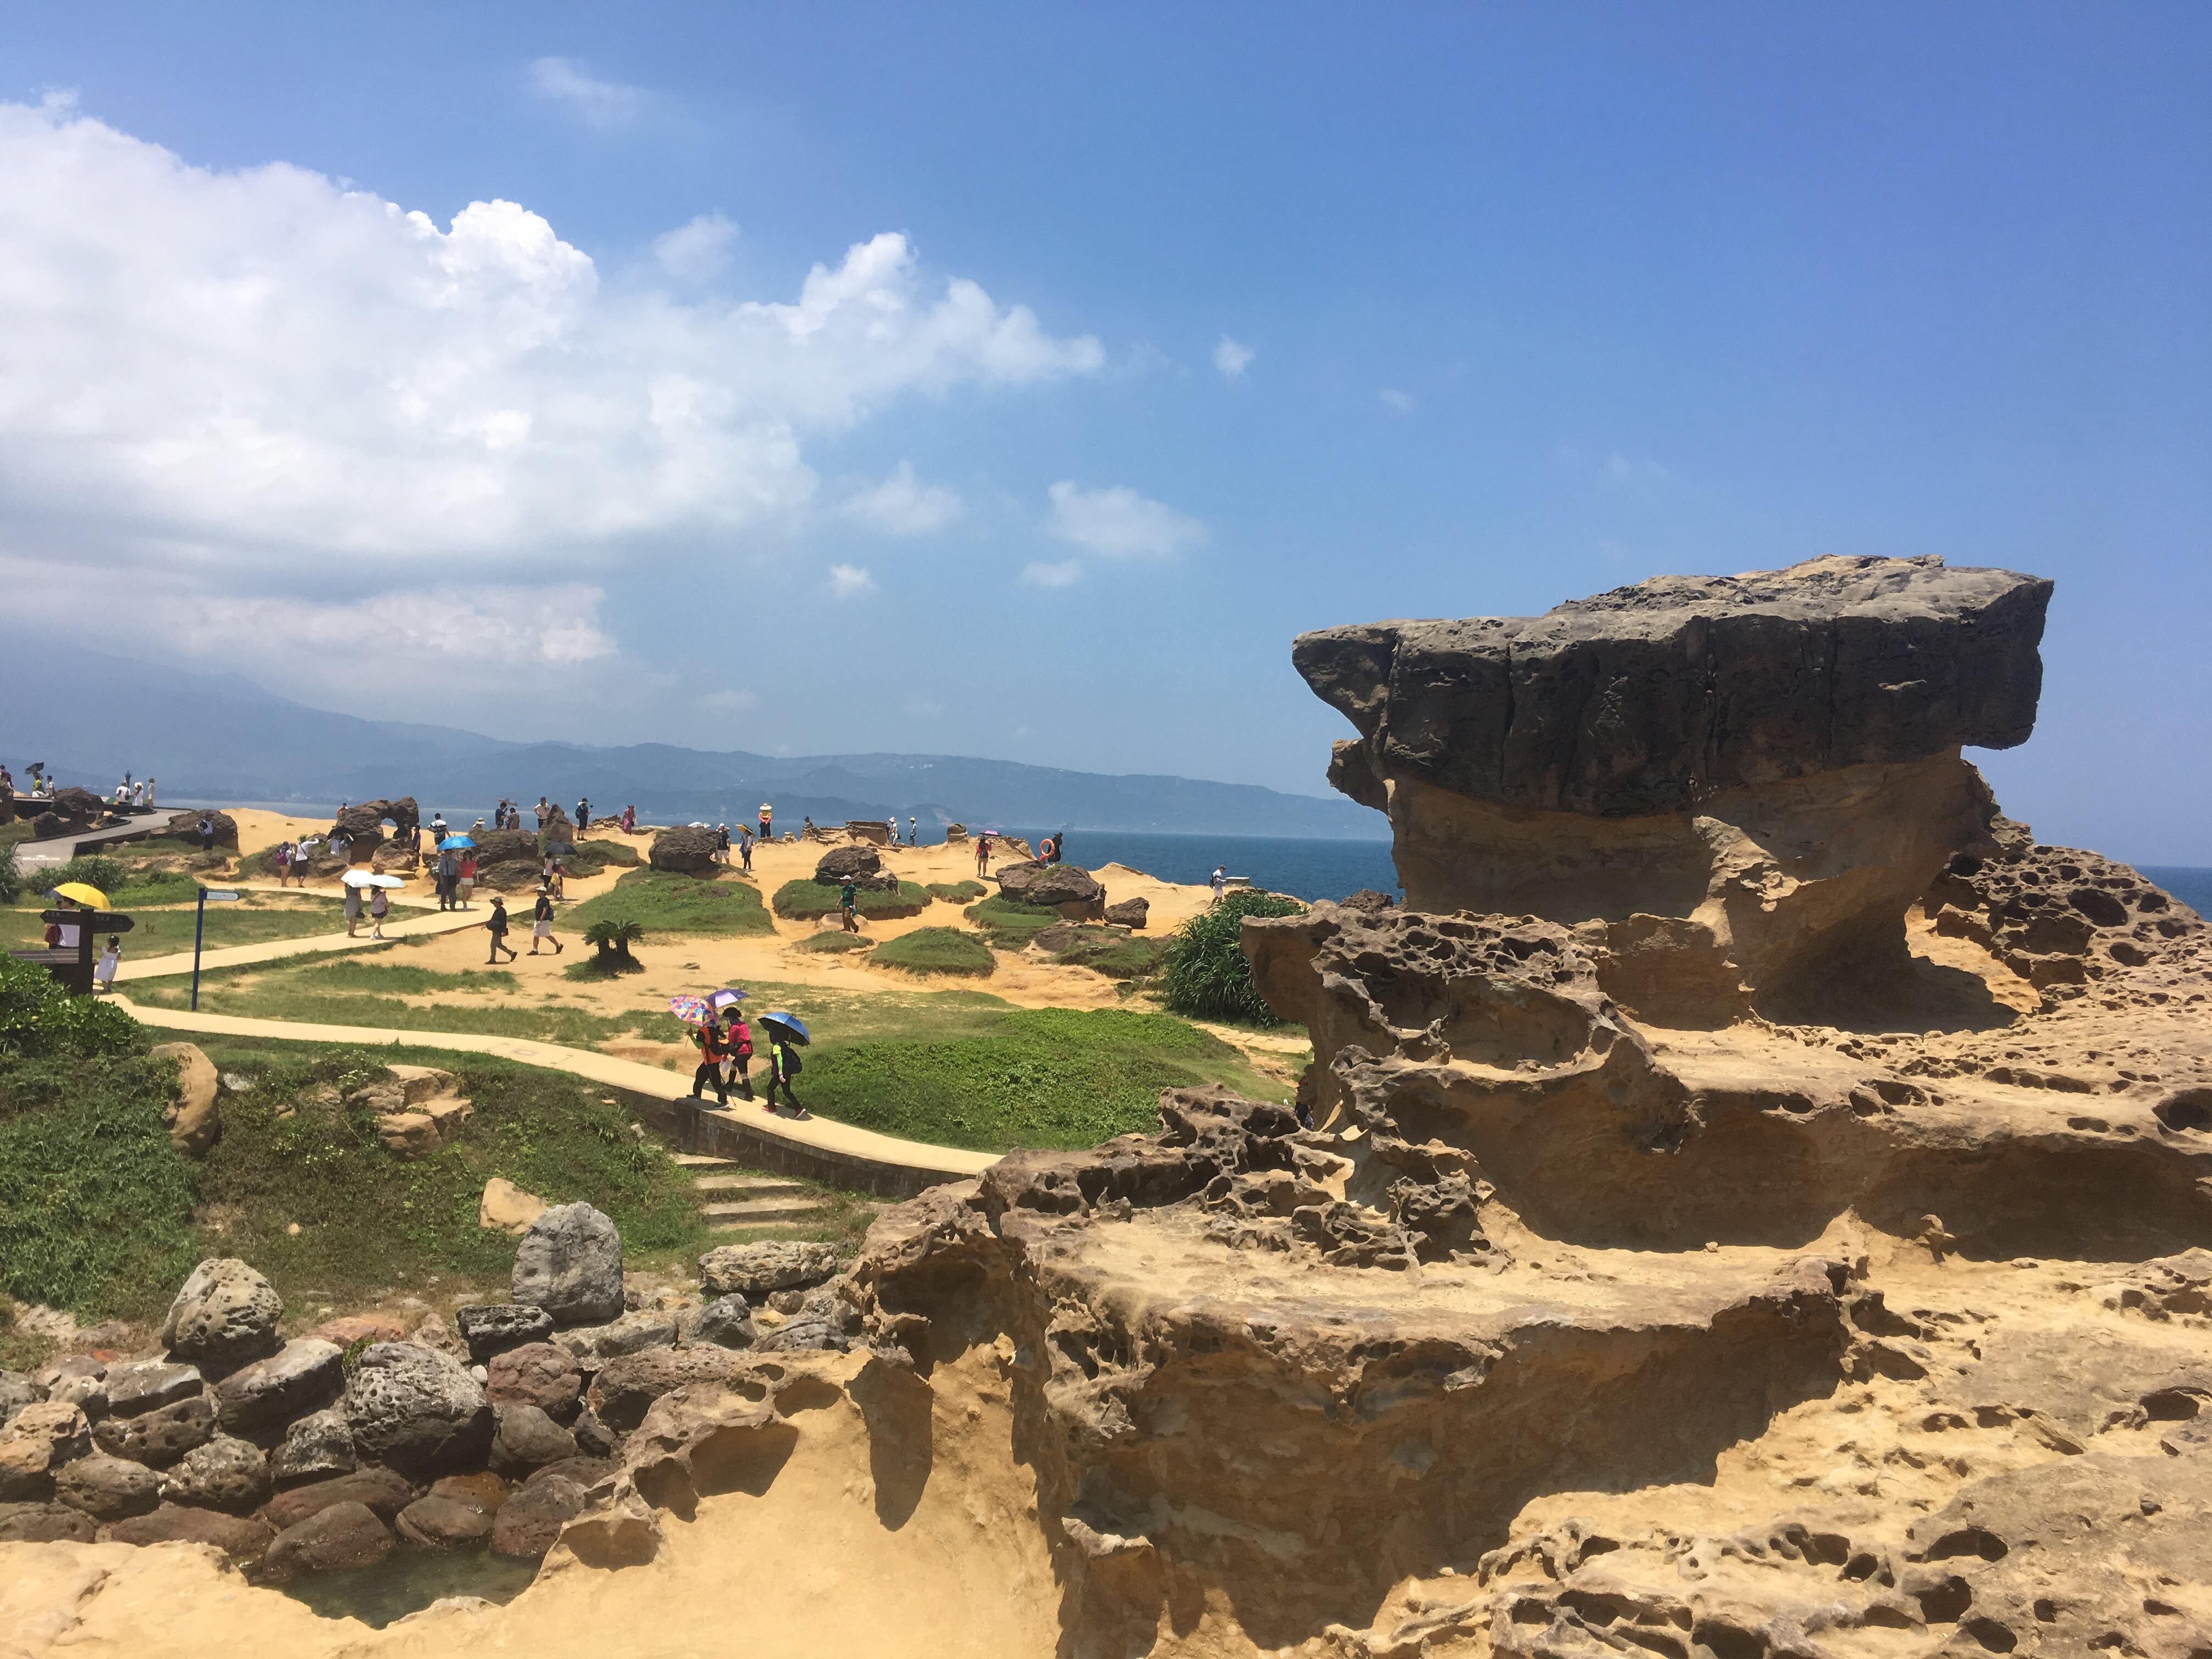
<point x="570" y="1263"/>
<point x="225" y="1315"/>
<point x="417" y="1410"/>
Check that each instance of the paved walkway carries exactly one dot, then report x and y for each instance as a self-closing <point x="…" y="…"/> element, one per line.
<point x="273" y="950"/>
<point x="60" y="849"/>
<point x="837" y="1140"/>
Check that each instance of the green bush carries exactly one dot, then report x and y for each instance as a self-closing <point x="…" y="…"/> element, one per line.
<point x="11" y="878"/>
<point x="833" y="941"/>
<point x="957" y="892"/>
<point x="39" y="1020"/>
<point x="94" y="869"/>
<point x="808" y="900"/>
<point x="936" y="951"/>
<point x="153" y="887"/>
<point x="668" y="901"/>
<point x="1203" y="970"/>
<point x="1012" y="925"/>
<point x="1115" y="954"/>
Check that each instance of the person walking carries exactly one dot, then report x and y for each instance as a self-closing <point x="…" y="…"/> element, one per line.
<point x="449" y="873"/>
<point x="982" y="854"/>
<point x="1221" y="881"/>
<point x="464" y="877"/>
<point x="745" y="847"/>
<point x="721" y="843"/>
<point x="437" y="828"/>
<point x="910" y="840"/>
<point x="713" y="1052"/>
<point x="378" y="902"/>
<point x="495" y="925"/>
<point x="782" y="1066"/>
<point x="741" y="1053"/>
<point x="767" y="814"/>
<point x="149" y="791"/>
<point x="207" y="833"/>
<point x="849" y="899"/>
<point x="630" y="820"/>
<point x="541" y="924"/>
<point x="352" y="911"/>
<point x="583" y="814"/>
<point x="103" y="971"/>
<point x="283" y="858"/>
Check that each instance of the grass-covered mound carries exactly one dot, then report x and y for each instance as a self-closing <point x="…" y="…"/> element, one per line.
<point x="1203" y="972"/>
<point x="958" y="892"/>
<point x="1012" y="925"/>
<point x="1113" y="952"/>
<point x="589" y="858"/>
<point x="834" y="942"/>
<point x="808" y="900"/>
<point x="936" y="951"/>
<point x="665" y="901"/>
<point x="996" y="1078"/>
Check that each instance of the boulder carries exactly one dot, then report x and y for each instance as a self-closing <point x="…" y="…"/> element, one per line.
<point x="75" y="809"/>
<point x="384" y="1490"/>
<point x="625" y="1389"/>
<point x="807" y="1332"/>
<point x="359" y="1328"/>
<point x="17" y="1391"/>
<point x="303" y="1375"/>
<point x="45" y="1523"/>
<point x="185" y="826"/>
<point x="594" y="1438"/>
<point x="956" y="835"/>
<point x="158" y="1437"/>
<point x="685" y="849"/>
<point x="752" y="1271"/>
<point x="362" y="827"/>
<point x="338" y="1539"/>
<point x="224" y="1474"/>
<point x="145" y="1385"/>
<point x="529" y="1524"/>
<point x="483" y="1491"/>
<point x="39" y="1440"/>
<point x="444" y="1524"/>
<point x="570" y="1263"/>
<point x="225" y="1315"/>
<point x="393" y="859"/>
<point x="536" y="1374"/>
<point x="842" y="864"/>
<point x="107" y="1488"/>
<point x="505" y="1208"/>
<point x="416" y="1410"/>
<point x="1049" y="884"/>
<point x="194" y="1117"/>
<point x="495" y="847"/>
<point x="528" y="1439"/>
<point x="244" y="1539"/>
<point x="594" y="1345"/>
<point x="403" y="812"/>
<point x="319" y="1444"/>
<point x="493" y="1327"/>
<point x="1130" y="913"/>
<point x="725" y="1322"/>
<point x="76" y="1380"/>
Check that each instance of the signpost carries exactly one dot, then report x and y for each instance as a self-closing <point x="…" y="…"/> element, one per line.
<point x="73" y="963"/>
<point x="199" y="926"/>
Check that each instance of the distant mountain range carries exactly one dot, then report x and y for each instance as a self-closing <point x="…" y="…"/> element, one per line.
<point x="222" y="737"/>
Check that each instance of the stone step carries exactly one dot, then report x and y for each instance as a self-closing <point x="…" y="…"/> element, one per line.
<point x="701" y="1161"/>
<point x="753" y="1226"/>
<point x="739" y="1186"/>
<point x="747" y="1210"/>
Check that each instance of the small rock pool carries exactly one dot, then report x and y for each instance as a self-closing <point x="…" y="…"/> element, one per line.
<point x="407" y="1581"/>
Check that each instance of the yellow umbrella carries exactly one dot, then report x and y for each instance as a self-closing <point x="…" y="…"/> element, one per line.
<point x="84" y="893"/>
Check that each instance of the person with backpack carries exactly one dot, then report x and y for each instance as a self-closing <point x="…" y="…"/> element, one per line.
<point x="495" y="925"/>
<point x="541" y="924"/>
<point x="741" y="1053"/>
<point x="783" y="1065"/>
<point x="713" y="1053"/>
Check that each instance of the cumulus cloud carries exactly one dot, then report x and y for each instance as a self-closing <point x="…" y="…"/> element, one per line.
<point x="850" y="581"/>
<point x="1396" y="401"/>
<point x="1041" y="574"/>
<point x="255" y="382"/>
<point x="1232" y="357"/>
<point x="695" y="252"/>
<point x="1119" y="523"/>
<point x="598" y="103"/>
<point x="903" y="506"/>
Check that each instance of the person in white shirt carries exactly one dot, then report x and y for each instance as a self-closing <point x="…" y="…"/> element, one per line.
<point x="104" y="970"/>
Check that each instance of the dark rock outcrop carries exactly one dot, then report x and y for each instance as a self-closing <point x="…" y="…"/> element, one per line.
<point x="185" y="826"/>
<point x="685" y="849"/>
<point x="1049" y="884"/>
<point x="1131" y="913"/>
<point x="338" y="1539"/>
<point x="493" y="1327"/>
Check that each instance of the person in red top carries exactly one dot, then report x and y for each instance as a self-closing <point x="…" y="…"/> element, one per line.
<point x="713" y="1046"/>
<point x="741" y="1053"/>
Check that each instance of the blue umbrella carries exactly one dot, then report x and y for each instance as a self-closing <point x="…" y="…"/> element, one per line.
<point x="452" y="841"/>
<point x="788" y="1024"/>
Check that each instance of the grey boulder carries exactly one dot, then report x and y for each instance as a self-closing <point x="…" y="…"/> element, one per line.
<point x="594" y="1345"/>
<point x="528" y="1439"/>
<point x="345" y="1536"/>
<point x="158" y="1437"/>
<point x="416" y="1409"/>
<point x="225" y="1473"/>
<point x="303" y="1375"/>
<point x="570" y="1263"/>
<point x="725" y="1322"/>
<point x="319" y="1443"/>
<point x="225" y="1315"/>
<point x="145" y="1385"/>
<point x="493" y="1327"/>
<point x="107" y="1488"/>
<point x="753" y="1270"/>
<point x="17" y="1391"/>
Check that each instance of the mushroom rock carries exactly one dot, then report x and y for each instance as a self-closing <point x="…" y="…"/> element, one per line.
<point x="684" y="849"/>
<point x="1744" y="782"/>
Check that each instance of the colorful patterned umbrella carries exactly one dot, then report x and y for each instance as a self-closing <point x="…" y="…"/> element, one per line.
<point x="692" y="1010"/>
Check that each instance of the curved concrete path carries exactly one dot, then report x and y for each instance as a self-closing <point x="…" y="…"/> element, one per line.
<point x="837" y="1148"/>
<point x="273" y="950"/>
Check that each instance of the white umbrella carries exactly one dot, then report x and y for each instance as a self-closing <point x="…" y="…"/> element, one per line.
<point x="369" y="878"/>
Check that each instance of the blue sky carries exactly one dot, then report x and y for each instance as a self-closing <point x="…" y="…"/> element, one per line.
<point x="1295" y="316"/>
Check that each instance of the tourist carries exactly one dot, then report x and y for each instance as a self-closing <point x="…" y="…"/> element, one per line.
<point x="378" y="902"/>
<point x="583" y="814"/>
<point x="437" y="829"/>
<point x="282" y="858"/>
<point x="745" y="847"/>
<point x="541" y="924"/>
<point x="449" y="871"/>
<point x="713" y="1054"/>
<point x="207" y="833"/>
<point x="138" y="794"/>
<point x="342" y="846"/>
<point x="465" y="876"/>
<point x="1221" y="881"/>
<point x="495" y="925"/>
<point x="544" y="811"/>
<point x="352" y="910"/>
<point x="849" y="899"/>
<point x="910" y="840"/>
<point x="721" y="843"/>
<point x="983" y="853"/>
<point x="767" y="814"/>
<point x="782" y="1066"/>
<point x="630" y="820"/>
<point x="103" y="972"/>
<point x="149" y="791"/>
<point x="741" y="1053"/>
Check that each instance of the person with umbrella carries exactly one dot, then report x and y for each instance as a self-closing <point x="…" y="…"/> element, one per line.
<point x="785" y="1035"/>
<point x="378" y="902"/>
<point x="741" y="1040"/>
<point x="352" y="908"/>
<point x="449" y="873"/>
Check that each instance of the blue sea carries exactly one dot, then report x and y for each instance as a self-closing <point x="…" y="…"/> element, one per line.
<point x="1303" y="867"/>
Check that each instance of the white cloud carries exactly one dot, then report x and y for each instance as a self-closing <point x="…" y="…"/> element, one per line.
<point x="1040" y="575"/>
<point x="727" y="702"/>
<point x="1396" y="400"/>
<point x="259" y="381"/>
<point x="695" y="252"/>
<point x="595" y="102"/>
<point x="902" y="506"/>
<point x="1232" y="358"/>
<point x="850" y="581"/>
<point x="1120" y="523"/>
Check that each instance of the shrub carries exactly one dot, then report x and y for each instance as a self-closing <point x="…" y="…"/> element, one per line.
<point x="39" y="1019"/>
<point x="936" y="951"/>
<point x="94" y="869"/>
<point x="1113" y="953"/>
<point x="11" y="878"/>
<point x="611" y="937"/>
<point x="1204" y="973"/>
<point x="808" y="900"/>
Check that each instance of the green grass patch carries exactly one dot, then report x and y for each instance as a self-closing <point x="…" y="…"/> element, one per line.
<point x="255" y="917"/>
<point x="590" y="858"/>
<point x="666" y="902"/>
<point x="1012" y="925"/>
<point x="362" y="971"/>
<point x="596" y="967"/>
<point x="1117" y="955"/>
<point x="936" y="951"/>
<point x="808" y="900"/>
<point x="958" y="892"/>
<point x="158" y="846"/>
<point x="831" y="942"/>
<point x="20" y="830"/>
<point x="1017" y="1077"/>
